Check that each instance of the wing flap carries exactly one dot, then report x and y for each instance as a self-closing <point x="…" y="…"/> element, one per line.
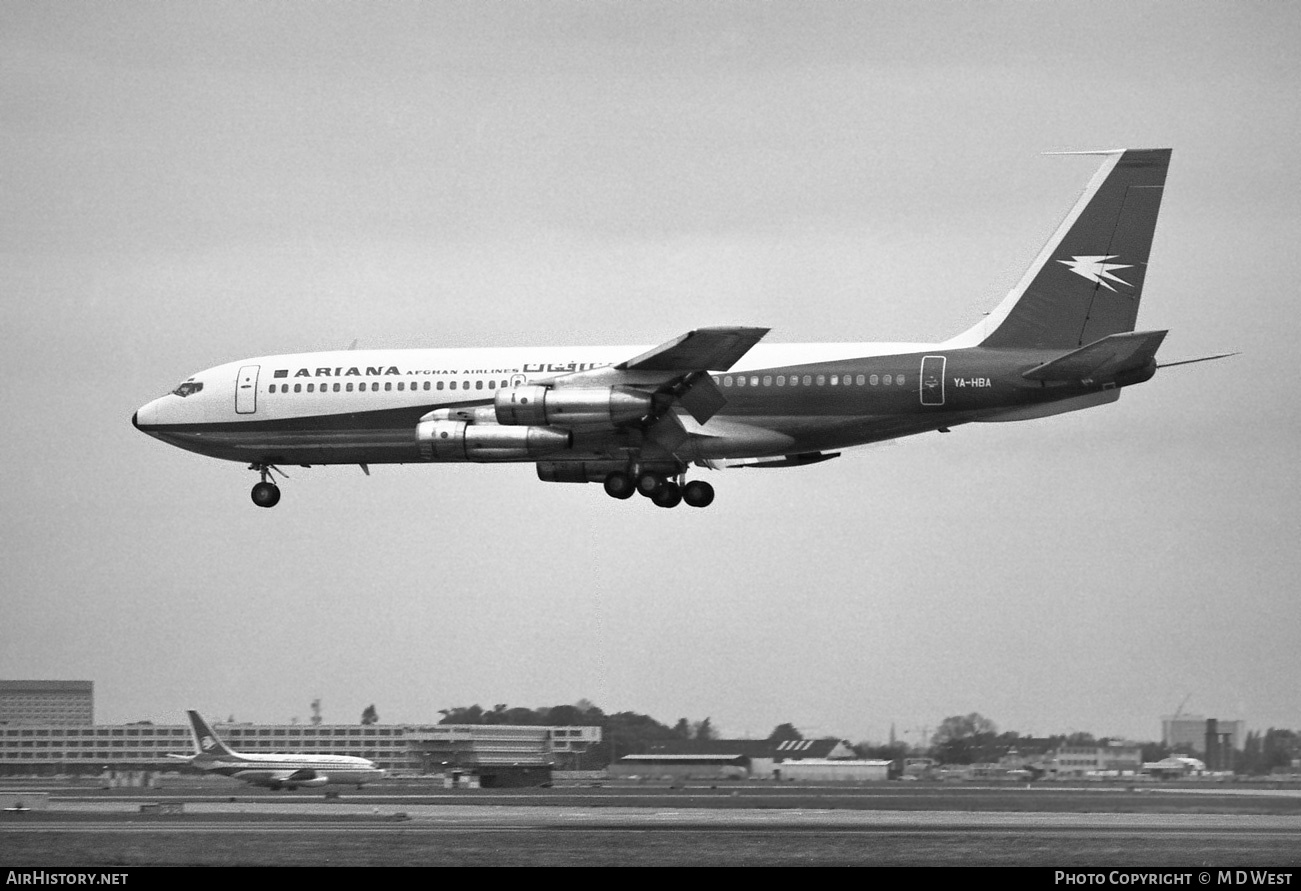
<point x="793" y="460"/>
<point x="699" y="395"/>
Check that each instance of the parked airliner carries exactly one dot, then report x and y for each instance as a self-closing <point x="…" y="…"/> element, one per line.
<point x="635" y="418"/>
<point x="277" y="771"/>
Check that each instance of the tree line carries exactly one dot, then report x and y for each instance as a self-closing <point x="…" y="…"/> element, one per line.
<point x="960" y="739"/>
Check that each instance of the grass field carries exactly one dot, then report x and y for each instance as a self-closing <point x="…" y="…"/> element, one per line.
<point x="749" y="824"/>
<point x="659" y="848"/>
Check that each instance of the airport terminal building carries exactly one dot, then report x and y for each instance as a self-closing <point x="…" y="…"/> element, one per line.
<point x="47" y="702"/>
<point x="500" y="754"/>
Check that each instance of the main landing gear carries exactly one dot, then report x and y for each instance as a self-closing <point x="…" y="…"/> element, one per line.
<point x="266" y="493"/>
<point x="661" y="490"/>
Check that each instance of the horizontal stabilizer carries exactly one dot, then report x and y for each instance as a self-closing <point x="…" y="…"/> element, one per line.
<point x="1101" y="359"/>
<point x="705" y="349"/>
<point x="794" y="460"/>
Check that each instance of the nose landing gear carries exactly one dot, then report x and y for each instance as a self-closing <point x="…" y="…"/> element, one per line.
<point x="266" y="493"/>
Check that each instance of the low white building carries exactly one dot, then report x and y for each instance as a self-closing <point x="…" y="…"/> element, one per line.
<point x="827" y="770"/>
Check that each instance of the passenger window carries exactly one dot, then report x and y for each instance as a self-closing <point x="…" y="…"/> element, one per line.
<point x="402" y="385"/>
<point x="898" y="380"/>
<point x="271" y="389"/>
<point x="298" y="388"/>
<point x="808" y="379"/>
<point x="781" y="380"/>
<point x="727" y="381"/>
<point x="887" y="380"/>
<point x="350" y="386"/>
<point x="874" y="379"/>
<point x="388" y="386"/>
<point x="440" y="385"/>
<point x="822" y="379"/>
<point x="835" y="380"/>
<point x="767" y="380"/>
<point x="861" y="380"/>
<point x="478" y="385"/>
<point x="754" y="380"/>
<point x="452" y="385"/>
<point x="311" y="388"/>
<point x="426" y="385"/>
<point x="492" y="385"/>
<point x="740" y="380"/>
<point x="336" y="388"/>
<point x="374" y="388"/>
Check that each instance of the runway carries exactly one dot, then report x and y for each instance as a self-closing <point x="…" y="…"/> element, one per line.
<point x="706" y="825"/>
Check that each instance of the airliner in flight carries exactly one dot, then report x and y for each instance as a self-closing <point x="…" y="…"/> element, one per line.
<point x="636" y="418"/>
<point x="274" y="770"/>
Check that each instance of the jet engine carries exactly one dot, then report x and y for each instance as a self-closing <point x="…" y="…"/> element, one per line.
<point x="310" y="783"/>
<point x="458" y="441"/>
<point x="578" y="407"/>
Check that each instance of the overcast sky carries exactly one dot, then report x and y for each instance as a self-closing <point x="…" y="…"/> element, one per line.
<point x="187" y="184"/>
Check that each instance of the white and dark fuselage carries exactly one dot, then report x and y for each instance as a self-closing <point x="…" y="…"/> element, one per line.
<point x="1064" y="339"/>
<point x="363" y="407"/>
<point x="291" y="771"/>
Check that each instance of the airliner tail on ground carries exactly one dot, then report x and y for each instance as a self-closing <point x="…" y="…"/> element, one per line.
<point x="636" y="418"/>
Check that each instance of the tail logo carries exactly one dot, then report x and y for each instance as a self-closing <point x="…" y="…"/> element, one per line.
<point x="207" y="743"/>
<point x="1095" y="269"/>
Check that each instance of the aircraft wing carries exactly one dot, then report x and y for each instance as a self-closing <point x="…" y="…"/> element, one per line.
<point x="301" y="775"/>
<point x="677" y="372"/>
<point x="704" y="349"/>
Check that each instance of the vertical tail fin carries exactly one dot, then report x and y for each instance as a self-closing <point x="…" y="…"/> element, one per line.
<point x="1086" y="282"/>
<point x="206" y="741"/>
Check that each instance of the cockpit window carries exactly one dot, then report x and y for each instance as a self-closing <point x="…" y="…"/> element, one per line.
<point x="187" y="388"/>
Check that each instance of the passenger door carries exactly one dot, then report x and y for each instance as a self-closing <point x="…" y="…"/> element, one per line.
<point x="246" y="390"/>
<point x="933" y="380"/>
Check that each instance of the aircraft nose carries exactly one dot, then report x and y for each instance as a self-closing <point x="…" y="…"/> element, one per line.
<point x="143" y="419"/>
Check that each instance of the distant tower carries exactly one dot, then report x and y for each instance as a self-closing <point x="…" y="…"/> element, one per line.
<point x="316" y="712"/>
<point x="892" y="734"/>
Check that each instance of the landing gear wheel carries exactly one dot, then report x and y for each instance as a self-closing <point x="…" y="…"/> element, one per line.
<point x="698" y="493"/>
<point x="266" y="494"/>
<point x="619" y="485"/>
<point x="649" y="483"/>
<point x="668" y="495"/>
